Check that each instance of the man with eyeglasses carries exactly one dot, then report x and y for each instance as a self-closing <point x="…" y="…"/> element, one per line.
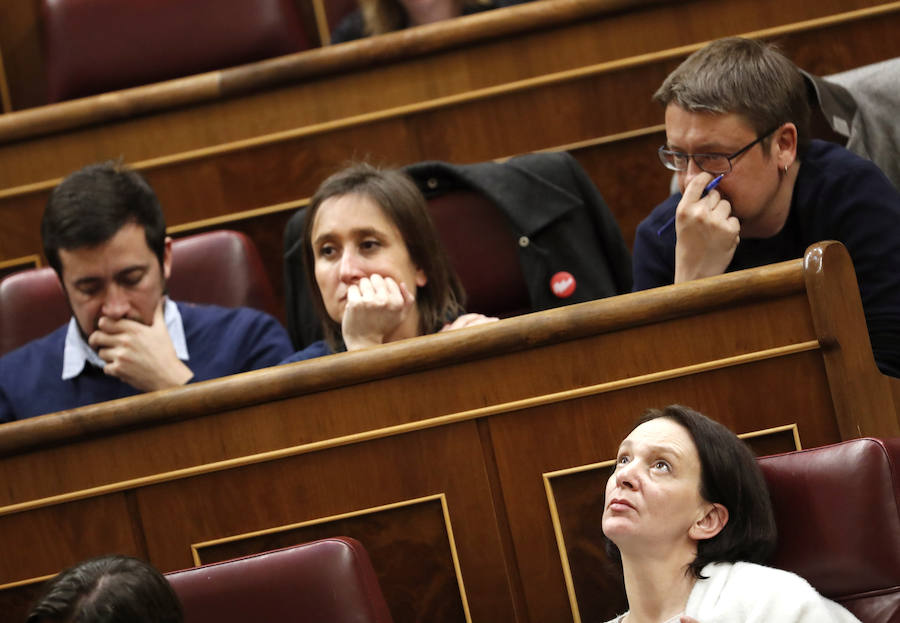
<point x="738" y="109"/>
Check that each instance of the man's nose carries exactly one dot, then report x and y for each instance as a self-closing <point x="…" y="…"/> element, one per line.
<point x="115" y="303"/>
<point x="689" y="173"/>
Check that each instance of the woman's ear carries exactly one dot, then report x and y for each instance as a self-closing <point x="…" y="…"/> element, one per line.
<point x="710" y="524"/>
<point x="421" y="278"/>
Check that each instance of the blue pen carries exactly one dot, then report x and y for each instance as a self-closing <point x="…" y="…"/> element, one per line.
<point x="709" y="187"/>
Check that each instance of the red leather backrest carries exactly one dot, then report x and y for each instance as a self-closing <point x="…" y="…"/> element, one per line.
<point x="838" y="514"/>
<point x="329" y="580"/>
<point x="32" y="304"/>
<point x="483" y="251"/>
<point x="218" y="267"/>
<point x="94" y="46"/>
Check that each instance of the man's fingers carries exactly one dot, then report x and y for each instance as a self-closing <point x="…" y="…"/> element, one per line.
<point x="106" y="354"/>
<point x="159" y="315"/>
<point x="100" y="339"/>
<point x="721" y="209"/>
<point x="713" y="198"/>
<point x="695" y="187"/>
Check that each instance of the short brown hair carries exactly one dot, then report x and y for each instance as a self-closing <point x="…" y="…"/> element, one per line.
<point x="744" y="76"/>
<point x="92" y="204"/>
<point x="442" y="298"/>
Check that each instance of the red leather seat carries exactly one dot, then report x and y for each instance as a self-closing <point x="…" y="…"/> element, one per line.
<point x="218" y="267"/>
<point x="484" y="257"/>
<point x="838" y="514"/>
<point x="329" y="580"/>
<point x="94" y="46"/>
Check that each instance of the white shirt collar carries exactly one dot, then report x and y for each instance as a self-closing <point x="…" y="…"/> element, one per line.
<point x="77" y="353"/>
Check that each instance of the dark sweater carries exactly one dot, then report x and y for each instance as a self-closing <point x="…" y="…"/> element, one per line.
<point x="220" y="342"/>
<point x="837" y="196"/>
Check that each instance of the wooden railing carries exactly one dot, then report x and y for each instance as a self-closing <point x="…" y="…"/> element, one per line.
<point x="469" y="463"/>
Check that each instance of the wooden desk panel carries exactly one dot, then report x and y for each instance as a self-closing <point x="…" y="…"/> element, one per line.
<point x="437" y="450"/>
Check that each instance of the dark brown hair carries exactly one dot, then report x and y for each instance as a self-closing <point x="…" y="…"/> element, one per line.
<point x="92" y="204"/>
<point x="744" y="76"/>
<point x="730" y="476"/>
<point x="442" y="298"/>
<point x="108" y="589"/>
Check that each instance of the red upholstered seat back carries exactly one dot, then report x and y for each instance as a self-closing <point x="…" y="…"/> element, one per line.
<point x="32" y="304"/>
<point x="94" y="46"/>
<point x="329" y="580"/>
<point x="218" y="267"/>
<point x="838" y="513"/>
<point x="483" y="251"/>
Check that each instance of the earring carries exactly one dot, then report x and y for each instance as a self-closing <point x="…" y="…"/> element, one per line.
<point x="786" y="168"/>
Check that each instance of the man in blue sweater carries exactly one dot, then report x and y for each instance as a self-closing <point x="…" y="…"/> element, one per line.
<point x="104" y="234"/>
<point x="737" y="115"/>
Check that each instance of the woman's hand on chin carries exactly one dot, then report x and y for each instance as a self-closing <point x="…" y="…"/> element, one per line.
<point x="376" y="307"/>
<point x="468" y="320"/>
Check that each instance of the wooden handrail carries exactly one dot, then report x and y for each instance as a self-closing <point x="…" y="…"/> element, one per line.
<point x="300" y="66"/>
<point x="511" y="335"/>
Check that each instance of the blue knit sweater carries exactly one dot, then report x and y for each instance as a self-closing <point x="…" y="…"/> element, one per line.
<point x="220" y="342"/>
<point x="837" y="196"/>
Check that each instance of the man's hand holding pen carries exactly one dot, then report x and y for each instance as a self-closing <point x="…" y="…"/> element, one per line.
<point x="707" y="233"/>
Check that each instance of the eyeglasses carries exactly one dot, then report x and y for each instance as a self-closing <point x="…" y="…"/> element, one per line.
<point x="716" y="164"/>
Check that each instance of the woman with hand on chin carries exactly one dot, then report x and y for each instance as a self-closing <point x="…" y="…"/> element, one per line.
<point x="376" y="267"/>
<point x="687" y="512"/>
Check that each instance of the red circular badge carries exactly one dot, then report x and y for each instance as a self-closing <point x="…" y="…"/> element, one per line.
<point x="562" y="284"/>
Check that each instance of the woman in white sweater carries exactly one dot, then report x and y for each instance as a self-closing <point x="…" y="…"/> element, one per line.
<point x="688" y="514"/>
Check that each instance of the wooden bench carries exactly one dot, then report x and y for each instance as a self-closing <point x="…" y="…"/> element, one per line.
<point x="244" y="147"/>
<point x="460" y="460"/>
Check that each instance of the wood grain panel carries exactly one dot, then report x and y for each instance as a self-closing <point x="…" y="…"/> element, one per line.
<point x="23" y="55"/>
<point x="44" y="542"/>
<point x="409" y="545"/>
<point x="477" y="416"/>
<point x="388" y="80"/>
<point x="570" y="111"/>
<point x="546" y="439"/>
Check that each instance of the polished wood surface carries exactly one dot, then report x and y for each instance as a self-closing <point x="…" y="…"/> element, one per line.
<point x="446" y="449"/>
<point x="21" y="39"/>
<point x="248" y="170"/>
